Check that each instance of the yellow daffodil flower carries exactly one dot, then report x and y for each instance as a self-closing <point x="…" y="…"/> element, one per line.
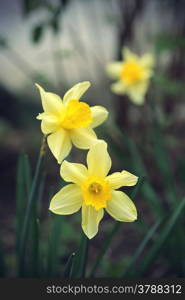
<point x="93" y="191"/>
<point x="69" y="121"/>
<point x="133" y="75"/>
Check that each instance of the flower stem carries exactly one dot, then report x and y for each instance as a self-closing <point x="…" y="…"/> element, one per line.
<point x="80" y="263"/>
<point x="111" y="234"/>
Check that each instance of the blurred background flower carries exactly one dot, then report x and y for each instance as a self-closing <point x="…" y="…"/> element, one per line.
<point x="132" y="74"/>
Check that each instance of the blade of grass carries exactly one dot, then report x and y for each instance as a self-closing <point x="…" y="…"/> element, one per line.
<point x="80" y="262"/>
<point x="112" y="233"/>
<point x="138" y="167"/>
<point x="153" y="252"/>
<point x="34" y="232"/>
<point x="32" y="198"/>
<point x="127" y="271"/>
<point x="54" y="245"/>
<point x="161" y="153"/>
<point x="22" y="191"/>
<point x="68" y="270"/>
<point x="56" y="226"/>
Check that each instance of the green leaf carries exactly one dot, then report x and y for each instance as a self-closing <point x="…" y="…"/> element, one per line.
<point x="164" y="42"/>
<point x="22" y="191"/>
<point x="3" y="43"/>
<point x="33" y="245"/>
<point x="168" y="85"/>
<point x="54" y="245"/>
<point x="54" y="23"/>
<point x="31" y="5"/>
<point x="149" y="236"/>
<point x="161" y="155"/>
<point x="152" y="254"/>
<point x="28" y="212"/>
<point x="138" y="168"/>
<point x="37" y="33"/>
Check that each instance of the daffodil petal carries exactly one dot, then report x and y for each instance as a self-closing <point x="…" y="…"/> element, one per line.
<point x="137" y="92"/>
<point x="51" y="103"/>
<point x="67" y="201"/>
<point x="76" y="91"/>
<point x="59" y="144"/>
<point x="128" y="178"/>
<point x="119" y="179"/>
<point x="119" y="87"/>
<point x="113" y="69"/>
<point x="83" y="138"/>
<point x="98" y="159"/>
<point x="99" y="114"/>
<point x="129" y="55"/>
<point x="121" y="207"/>
<point x="73" y="172"/>
<point x="147" y="60"/>
<point x="90" y="220"/>
<point x="48" y="127"/>
<point x="49" y="123"/>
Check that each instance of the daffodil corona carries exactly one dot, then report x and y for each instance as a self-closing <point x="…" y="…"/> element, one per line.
<point x="69" y="121"/>
<point x="93" y="190"/>
<point x="133" y="75"/>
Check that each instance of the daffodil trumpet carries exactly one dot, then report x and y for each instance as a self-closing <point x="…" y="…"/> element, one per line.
<point x="92" y="190"/>
<point x="69" y="121"/>
<point x="133" y="75"/>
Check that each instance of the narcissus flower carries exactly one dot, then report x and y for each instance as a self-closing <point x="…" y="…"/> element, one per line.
<point x="93" y="190"/>
<point x="133" y="75"/>
<point x="69" y="121"/>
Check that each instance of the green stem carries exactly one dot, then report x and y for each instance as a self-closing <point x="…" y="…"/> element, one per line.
<point x="111" y="235"/>
<point x="103" y="250"/>
<point x="80" y="263"/>
<point x="69" y="266"/>
<point x="31" y="200"/>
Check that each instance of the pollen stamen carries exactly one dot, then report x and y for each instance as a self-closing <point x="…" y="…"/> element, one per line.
<point x="95" y="188"/>
<point x="96" y="192"/>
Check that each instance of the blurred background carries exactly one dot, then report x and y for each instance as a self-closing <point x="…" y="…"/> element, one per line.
<point x="58" y="43"/>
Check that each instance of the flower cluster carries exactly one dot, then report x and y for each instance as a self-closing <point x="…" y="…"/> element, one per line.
<point x="68" y="122"/>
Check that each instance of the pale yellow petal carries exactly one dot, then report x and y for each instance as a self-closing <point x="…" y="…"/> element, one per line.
<point x="119" y="87"/>
<point x="67" y="201"/>
<point x="76" y="91"/>
<point x="137" y="92"/>
<point x="121" y="207"/>
<point x="128" y="178"/>
<point x="99" y="114"/>
<point x="129" y="55"/>
<point x="114" y="69"/>
<point x="98" y="159"/>
<point x="119" y="179"/>
<point x="59" y="144"/>
<point x="90" y="220"/>
<point x="147" y="60"/>
<point x="115" y="180"/>
<point x="83" y="138"/>
<point x="73" y="172"/>
<point x="51" y="103"/>
<point x="49" y="123"/>
<point x="48" y="127"/>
